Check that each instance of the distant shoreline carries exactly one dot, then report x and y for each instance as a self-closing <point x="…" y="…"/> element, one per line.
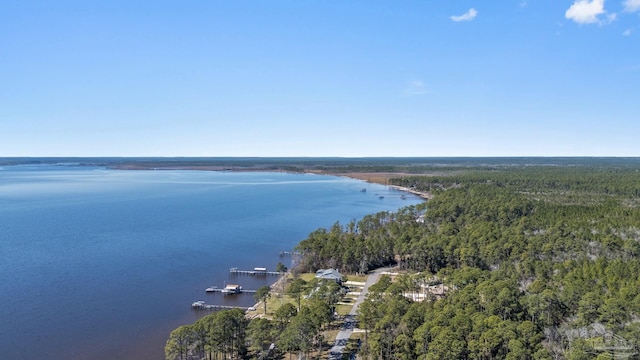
<point x="381" y="178"/>
<point x="197" y="168"/>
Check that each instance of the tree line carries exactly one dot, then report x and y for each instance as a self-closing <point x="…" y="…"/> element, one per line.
<point x="539" y="263"/>
<point x="531" y="257"/>
<point x="295" y="327"/>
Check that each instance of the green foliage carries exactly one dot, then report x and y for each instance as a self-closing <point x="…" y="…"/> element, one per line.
<point x="284" y="314"/>
<point x="179" y="343"/>
<point x="280" y="267"/>
<point x="525" y="251"/>
<point x="260" y="334"/>
<point x="296" y="288"/>
<point x="531" y="256"/>
<point x="228" y="332"/>
<point x="299" y="334"/>
<point x="262" y="294"/>
<point x="223" y="333"/>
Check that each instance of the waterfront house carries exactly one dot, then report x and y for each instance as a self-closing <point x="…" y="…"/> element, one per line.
<point x="329" y="274"/>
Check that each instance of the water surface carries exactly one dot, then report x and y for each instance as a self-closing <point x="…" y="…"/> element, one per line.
<point x="103" y="264"/>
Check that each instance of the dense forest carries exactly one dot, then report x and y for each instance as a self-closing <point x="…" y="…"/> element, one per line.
<point x="537" y="262"/>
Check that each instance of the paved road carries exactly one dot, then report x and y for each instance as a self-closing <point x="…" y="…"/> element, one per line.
<point x="350" y="320"/>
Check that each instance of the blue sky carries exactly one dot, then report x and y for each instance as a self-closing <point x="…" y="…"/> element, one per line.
<point x="320" y="78"/>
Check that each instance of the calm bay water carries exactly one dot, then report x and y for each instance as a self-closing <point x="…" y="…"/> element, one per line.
<point x="103" y="264"/>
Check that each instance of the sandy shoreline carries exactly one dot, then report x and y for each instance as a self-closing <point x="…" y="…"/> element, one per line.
<point x="381" y="178"/>
<point x="424" y="195"/>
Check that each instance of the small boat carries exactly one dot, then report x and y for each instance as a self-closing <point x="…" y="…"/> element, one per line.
<point x="211" y="289"/>
<point x="363" y="190"/>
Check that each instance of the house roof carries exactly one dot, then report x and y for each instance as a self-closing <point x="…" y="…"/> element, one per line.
<point x="331" y="274"/>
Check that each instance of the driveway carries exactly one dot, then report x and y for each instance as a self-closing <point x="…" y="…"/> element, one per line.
<point x="350" y="320"/>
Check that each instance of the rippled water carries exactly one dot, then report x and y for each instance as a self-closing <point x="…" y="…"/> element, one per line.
<point x="103" y="264"/>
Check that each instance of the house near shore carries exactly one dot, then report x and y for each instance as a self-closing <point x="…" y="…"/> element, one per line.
<point x="329" y="274"/>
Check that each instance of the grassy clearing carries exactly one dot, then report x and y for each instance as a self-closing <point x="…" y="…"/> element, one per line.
<point x="274" y="302"/>
<point x="343" y="310"/>
<point x="356" y="278"/>
<point x="308" y="276"/>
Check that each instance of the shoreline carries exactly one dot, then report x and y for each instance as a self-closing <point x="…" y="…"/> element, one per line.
<point x="254" y="314"/>
<point x="381" y="178"/>
<point x="170" y="315"/>
<point x="424" y="195"/>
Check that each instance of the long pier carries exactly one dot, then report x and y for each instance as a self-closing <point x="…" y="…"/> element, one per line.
<point x="200" y="305"/>
<point x="259" y="272"/>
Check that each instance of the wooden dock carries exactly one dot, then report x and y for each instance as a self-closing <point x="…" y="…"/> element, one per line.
<point x="236" y="271"/>
<point x="200" y="305"/>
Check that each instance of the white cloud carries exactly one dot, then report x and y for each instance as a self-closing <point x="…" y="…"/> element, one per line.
<point x="626" y="32"/>
<point x="414" y="87"/>
<point x="468" y="16"/>
<point x="587" y="12"/>
<point x="631" y="5"/>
